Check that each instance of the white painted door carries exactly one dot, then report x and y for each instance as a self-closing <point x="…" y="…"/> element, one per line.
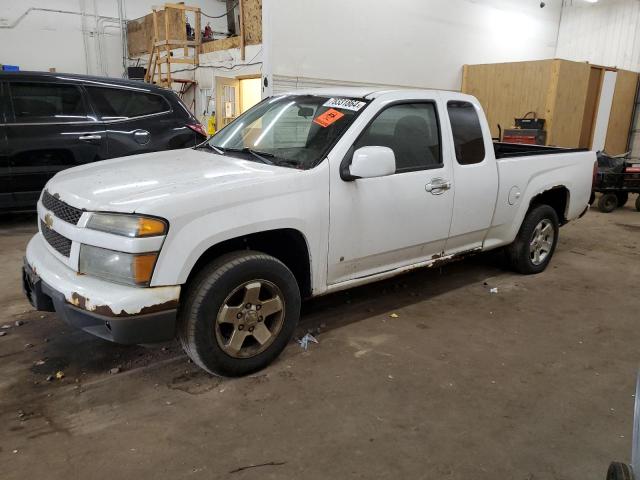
<point x="379" y="224"/>
<point x="604" y="110"/>
<point x="474" y="172"/>
<point x="227" y="100"/>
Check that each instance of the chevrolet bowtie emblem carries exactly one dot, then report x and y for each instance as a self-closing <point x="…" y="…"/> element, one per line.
<point x="48" y="220"/>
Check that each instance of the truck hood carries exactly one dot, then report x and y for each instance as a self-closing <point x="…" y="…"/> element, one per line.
<point x="143" y="183"/>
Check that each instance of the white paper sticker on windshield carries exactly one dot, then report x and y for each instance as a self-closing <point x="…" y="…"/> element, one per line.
<point x="344" y="103"/>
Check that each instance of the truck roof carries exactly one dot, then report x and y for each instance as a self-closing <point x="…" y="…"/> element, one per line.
<point x="368" y="93"/>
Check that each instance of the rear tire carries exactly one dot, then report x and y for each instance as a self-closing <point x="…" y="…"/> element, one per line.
<point x="536" y="242"/>
<point x="608" y="202"/>
<point x="623" y="198"/>
<point x="638" y="203"/>
<point x="239" y="313"/>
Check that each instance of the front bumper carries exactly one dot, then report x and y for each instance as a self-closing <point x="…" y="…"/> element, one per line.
<point x="119" y="313"/>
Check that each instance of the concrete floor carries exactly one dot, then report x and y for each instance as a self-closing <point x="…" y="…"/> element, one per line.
<point x="533" y="382"/>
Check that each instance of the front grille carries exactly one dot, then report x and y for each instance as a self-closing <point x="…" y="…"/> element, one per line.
<point x="60" y="209"/>
<point x="61" y="244"/>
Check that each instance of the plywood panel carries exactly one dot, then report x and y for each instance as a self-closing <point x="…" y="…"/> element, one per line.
<point x="252" y="12"/>
<point x="222" y="44"/>
<point x="509" y="90"/>
<point x="621" y="112"/>
<point x="140" y="31"/>
<point x="566" y="103"/>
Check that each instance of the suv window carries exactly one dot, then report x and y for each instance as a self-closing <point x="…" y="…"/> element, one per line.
<point x="411" y="130"/>
<point x="467" y="133"/>
<point x="44" y="102"/>
<point x="118" y="104"/>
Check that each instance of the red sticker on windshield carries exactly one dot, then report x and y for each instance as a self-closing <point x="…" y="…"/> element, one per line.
<point x="328" y="117"/>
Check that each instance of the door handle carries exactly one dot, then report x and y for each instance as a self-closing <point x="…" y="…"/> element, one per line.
<point x="142" y="136"/>
<point x="90" y="138"/>
<point x="437" y="186"/>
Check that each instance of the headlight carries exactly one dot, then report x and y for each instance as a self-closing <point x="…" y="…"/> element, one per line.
<point x="127" y="225"/>
<point x="129" y="268"/>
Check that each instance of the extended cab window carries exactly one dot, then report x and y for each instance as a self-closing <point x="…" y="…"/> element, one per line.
<point x="44" y="102"/>
<point x="467" y="133"/>
<point x="409" y="129"/>
<point x="119" y="104"/>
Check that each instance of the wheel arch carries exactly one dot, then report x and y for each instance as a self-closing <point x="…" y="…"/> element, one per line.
<point x="288" y="245"/>
<point x="556" y="197"/>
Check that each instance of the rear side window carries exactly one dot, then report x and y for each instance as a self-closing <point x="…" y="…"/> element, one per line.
<point x="467" y="133"/>
<point x="118" y="104"/>
<point x="411" y="131"/>
<point x="42" y="102"/>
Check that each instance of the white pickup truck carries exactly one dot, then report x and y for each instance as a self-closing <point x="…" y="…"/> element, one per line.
<point x="305" y="194"/>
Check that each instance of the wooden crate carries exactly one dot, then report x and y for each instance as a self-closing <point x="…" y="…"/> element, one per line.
<point x="562" y="92"/>
<point x="140" y="32"/>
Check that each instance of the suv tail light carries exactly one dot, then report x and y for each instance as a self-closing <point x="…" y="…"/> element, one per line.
<point x="198" y="128"/>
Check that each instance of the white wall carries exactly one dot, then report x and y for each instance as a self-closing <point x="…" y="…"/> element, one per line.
<point x="404" y="42"/>
<point x="604" y="33"/>
<point x="227" y="63"/>
<point x="47" y="39"/>
<point x="223" y="63"/>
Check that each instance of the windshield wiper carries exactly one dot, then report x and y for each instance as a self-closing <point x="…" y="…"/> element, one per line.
<point x="218" y="150"/>
<point x="262" y="156"/>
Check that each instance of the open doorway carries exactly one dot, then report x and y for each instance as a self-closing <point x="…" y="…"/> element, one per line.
<point x="250" y="92"/>
<point x="235" y="96"/>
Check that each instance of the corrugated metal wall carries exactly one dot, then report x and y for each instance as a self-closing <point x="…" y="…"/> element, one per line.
<point x="603" y="33"/>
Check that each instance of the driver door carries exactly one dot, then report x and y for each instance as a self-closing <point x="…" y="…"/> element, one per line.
<point x="380" y="224"/>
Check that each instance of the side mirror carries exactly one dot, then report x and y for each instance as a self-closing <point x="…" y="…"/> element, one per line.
<point x="370" y="162"/>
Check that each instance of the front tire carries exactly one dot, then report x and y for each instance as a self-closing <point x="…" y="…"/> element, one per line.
<point x="239" y="313"/>
<point x="536" y="242"/>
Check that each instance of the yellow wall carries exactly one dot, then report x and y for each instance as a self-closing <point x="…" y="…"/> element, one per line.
<point x="250" y="93"/>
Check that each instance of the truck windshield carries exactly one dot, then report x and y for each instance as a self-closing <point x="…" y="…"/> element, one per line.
<point x="289" y="130"/>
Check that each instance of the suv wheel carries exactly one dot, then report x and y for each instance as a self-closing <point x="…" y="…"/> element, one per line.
<point x="239" y="314"/>
<point x="533" y="248"/>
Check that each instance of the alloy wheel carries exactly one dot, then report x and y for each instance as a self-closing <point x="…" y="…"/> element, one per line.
<point x="250" y="319"/>
<point x="541" y="241"/>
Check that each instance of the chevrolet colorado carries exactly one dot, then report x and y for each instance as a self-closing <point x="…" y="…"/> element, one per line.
<point x="304" y="194"/>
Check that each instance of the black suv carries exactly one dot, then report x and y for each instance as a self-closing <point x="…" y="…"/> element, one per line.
<point x="53" y="121"/>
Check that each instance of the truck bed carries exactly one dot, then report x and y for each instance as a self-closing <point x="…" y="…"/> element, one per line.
<point x="510" y="150"/>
